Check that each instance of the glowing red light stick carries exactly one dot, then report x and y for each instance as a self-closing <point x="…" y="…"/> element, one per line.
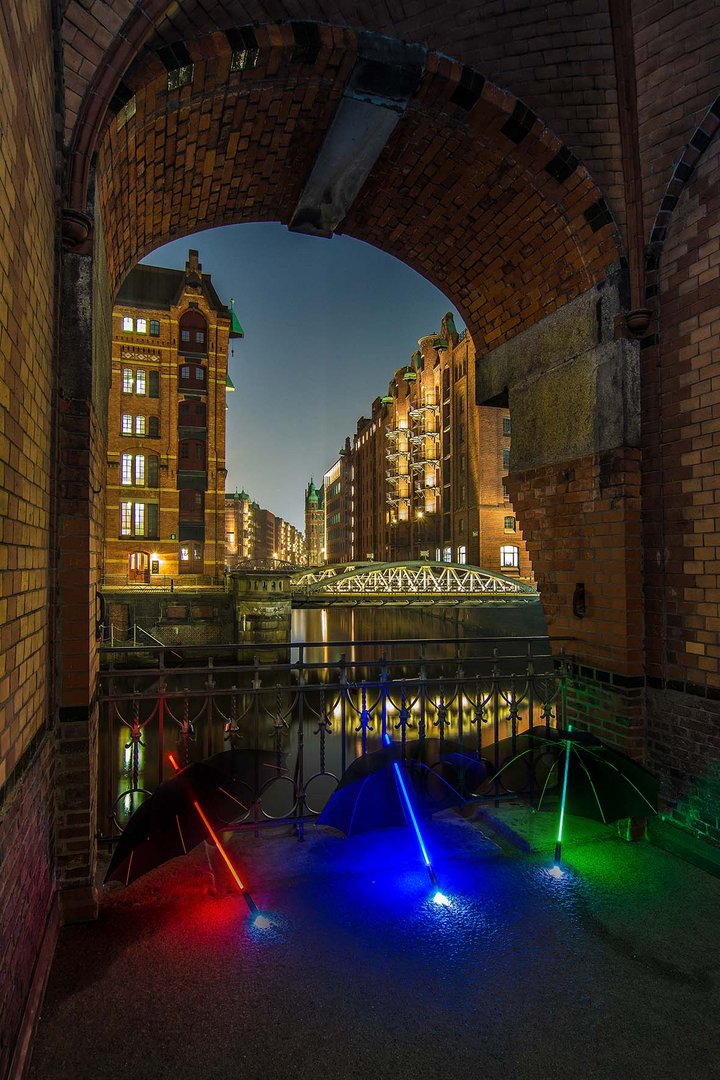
<point x="216" y="841"/>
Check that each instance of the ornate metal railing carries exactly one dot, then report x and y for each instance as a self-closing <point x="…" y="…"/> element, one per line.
<point x="317" y="706"/>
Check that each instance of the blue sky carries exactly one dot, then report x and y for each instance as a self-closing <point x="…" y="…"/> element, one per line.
<point x="326" y="324"/>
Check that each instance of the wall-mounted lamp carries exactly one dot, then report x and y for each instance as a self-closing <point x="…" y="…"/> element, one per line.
<point x="578" y="601"/>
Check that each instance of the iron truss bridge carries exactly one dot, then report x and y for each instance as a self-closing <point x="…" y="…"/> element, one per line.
<point x="405" y="583"/>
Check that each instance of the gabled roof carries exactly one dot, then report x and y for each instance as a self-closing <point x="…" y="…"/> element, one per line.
<point x="159" y="287"/>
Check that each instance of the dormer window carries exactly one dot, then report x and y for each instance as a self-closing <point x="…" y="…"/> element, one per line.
<point x="193" y="332"/>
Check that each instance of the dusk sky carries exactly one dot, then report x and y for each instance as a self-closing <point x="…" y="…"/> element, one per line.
<point x="326" y="324"/>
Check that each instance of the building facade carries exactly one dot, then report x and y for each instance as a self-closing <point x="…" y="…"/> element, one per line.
<point x="314" y="525"/>
<point x="254" y="535"/>
<point x="427" y="468"/>
<point x="239" y="529"/>
<point x="337" y="486"/>
<point x="165" y="508"/>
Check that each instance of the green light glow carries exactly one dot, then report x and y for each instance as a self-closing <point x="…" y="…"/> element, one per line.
<point x="562" y="800"/>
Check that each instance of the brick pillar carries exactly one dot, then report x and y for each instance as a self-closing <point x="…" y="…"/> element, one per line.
<point x="574" y="482"/>
<point x="80" y="514"/>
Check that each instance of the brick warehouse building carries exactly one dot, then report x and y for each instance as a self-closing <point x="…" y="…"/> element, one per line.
<point x="255" y="535"/>
<point x="165" y="485"/>
<point x="552" y="167"/>
<point x="427" y="468"/>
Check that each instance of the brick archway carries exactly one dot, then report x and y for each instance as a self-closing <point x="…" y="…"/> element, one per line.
<point x="468" y="169"/>
<point x="467" y="186"/>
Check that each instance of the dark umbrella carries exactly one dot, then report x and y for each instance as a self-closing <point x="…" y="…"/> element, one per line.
<point x="598" y="781"/>
<point x="383" y="789"/>
<point x="368" y="796"/>
<point x="189" y="809"/>
<point x="463" y="769"/>
<point x="246" y="773"/>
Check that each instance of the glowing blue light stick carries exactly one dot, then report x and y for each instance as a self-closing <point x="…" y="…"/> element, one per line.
<point x="558" y="844"/>
<point x="439" y="898"/>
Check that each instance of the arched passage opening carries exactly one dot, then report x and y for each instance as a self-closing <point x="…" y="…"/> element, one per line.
<point x="445" y="171"/>
<point x="327" y="129"/>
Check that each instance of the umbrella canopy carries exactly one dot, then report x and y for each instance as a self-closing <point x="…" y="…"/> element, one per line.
<point x="603" y="783"/>
<point x="247" y="772"/>
<point x="368" y="796"/>
<point x="463" y="769"/>
<point x="168" y="823"/>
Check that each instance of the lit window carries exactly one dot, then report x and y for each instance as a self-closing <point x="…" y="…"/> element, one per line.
<point x="507" y="425"/>
<point x="139" y="519"/>
<point x="154" y="328"/>
<point x="126" y="427"/>
<point x="140" y="469"/>
<point x="126" y="469"/>
<point x="510" y="524"/>
<point x="127" y="324"/>
<point x="509" y="556"/>
<point x="139" y="425"/>
<point x="126" y="518"/>
<point x="139" y="382"/>
<point x="462" y="554"/>
<point x="447" y="554"/>
<point x="141" y="326"/>
<point x="184" y="554"/>
<point x="128" y="382"/>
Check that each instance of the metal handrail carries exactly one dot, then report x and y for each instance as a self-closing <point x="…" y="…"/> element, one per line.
<point x="318" y="712"/>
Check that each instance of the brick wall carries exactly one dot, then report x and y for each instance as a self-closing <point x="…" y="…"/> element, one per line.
<point x="681" y="411"/>
<point x="26" y="884"/>
<point x="581" y="521"/>
<point x="213" y="167"/>
<point x="683" y="747"/>
<point x="27" y="324"/>
<point x="556" y="57"/>
<point x="677" y="51"/>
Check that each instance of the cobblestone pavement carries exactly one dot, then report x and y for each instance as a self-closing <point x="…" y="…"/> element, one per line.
<point x="611" y="971"/>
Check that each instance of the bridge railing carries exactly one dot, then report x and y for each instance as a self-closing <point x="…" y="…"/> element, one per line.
<point x="316" y="706"/>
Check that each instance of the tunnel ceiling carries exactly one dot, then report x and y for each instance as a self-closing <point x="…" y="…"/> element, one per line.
<point x="452" y="175"/>
<point x="557" y="57"/>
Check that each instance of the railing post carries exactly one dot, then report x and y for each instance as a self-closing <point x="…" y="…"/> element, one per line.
<point x="207" y="726"/>
<point x="161" y="718"/>
<point x="343" y="683"/>
<point x="383" y="699"/>
<point x="300" y="772"/>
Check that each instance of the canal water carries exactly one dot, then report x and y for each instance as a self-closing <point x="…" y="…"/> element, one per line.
<point x="300" y="688"/>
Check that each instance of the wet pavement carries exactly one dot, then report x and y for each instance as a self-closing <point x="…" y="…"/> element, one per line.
<point x="610" y="971"/>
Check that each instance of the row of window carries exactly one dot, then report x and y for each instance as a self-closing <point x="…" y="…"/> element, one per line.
<point x="189" y="338"/>
<point x="139" y="469"/>
<point x="139" y="519"/>
<point x="509" y="555"/>
<point x="141" y="326"/>
<point x="138" y="381"/>
<point x="140" y="425"/>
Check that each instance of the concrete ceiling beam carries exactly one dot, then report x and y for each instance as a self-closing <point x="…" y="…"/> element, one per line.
<point x="383" y="81"/>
